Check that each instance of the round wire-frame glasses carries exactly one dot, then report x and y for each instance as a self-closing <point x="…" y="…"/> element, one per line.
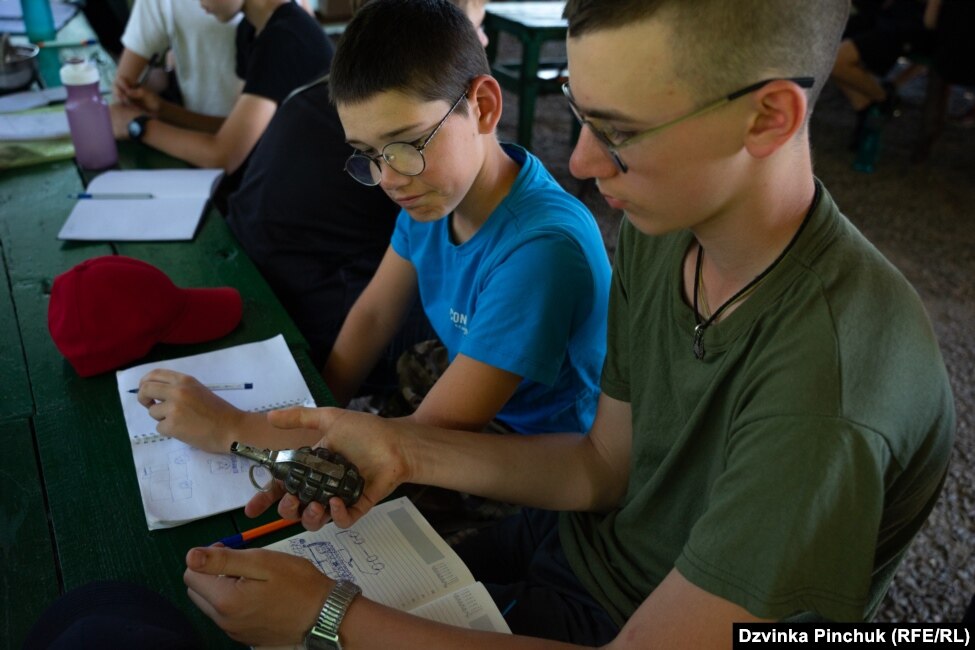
<point x="405" y="158"/>
<point x="613" y="147"/>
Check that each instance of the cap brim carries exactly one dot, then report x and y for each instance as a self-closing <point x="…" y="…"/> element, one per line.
<point x="207" y="314"/>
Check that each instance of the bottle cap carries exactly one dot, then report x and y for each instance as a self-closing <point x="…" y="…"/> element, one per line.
<point x="78" y="72"/>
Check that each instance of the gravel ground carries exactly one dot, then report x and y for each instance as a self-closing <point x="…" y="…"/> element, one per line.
<point x="921" y="217"/>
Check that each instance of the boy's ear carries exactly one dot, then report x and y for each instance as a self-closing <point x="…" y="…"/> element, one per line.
<point x="779" y="111"/>
<point x="485" y="102"/>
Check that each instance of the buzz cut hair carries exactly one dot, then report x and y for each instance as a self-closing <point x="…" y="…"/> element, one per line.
<point x="427" y="49"/>
<point x="721" y="45"/>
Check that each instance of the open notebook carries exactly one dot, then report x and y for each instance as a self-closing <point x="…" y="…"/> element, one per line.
<point x="180" y="483"/>
<point x="142" y="205"/>
<point x="398" y="560"/>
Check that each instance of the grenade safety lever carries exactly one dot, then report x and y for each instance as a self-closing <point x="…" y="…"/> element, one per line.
<point x="310" y="474"/>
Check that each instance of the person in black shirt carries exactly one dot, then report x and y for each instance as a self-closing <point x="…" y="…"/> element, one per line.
<point x="279" y="48"/>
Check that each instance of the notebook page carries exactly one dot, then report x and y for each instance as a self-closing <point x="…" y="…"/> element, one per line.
<point x="398" y="560"/>
<point x="179" y="483"/>
<point x="471" y="607"/>
<point x="161" y="219"/>
<point x="161" y="183"/>
<point x="392" y="553"/>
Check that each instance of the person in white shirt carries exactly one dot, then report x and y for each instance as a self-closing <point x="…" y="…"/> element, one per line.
<point x="203" y="52"/>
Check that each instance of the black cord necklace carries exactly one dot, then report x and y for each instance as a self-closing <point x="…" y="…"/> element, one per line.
<point x="703" y="324"/>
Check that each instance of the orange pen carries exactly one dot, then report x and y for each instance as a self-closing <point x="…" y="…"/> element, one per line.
<point x="238" y="540"/>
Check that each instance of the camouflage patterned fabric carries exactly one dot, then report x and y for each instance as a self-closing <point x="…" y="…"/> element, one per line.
<point x="452" y="514"/>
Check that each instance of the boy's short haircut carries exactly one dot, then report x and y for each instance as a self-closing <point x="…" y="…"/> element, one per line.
<point x="426" y="49"/>
<point x="722" y="45"/>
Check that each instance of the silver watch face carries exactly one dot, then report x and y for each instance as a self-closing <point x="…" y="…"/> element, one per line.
<point x="135" y="129"/>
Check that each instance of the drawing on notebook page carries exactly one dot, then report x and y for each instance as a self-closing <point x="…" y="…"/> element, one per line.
<point x="180" y="483"/>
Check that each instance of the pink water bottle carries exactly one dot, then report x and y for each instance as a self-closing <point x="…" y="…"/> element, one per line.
<point x="88" y="117"/>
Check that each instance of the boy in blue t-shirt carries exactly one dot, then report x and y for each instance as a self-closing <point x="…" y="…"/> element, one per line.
<point x="511" y="270"/>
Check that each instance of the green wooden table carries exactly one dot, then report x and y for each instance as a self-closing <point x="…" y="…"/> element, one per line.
<point x="533" y="24"/>
<point x="71" y="511"/>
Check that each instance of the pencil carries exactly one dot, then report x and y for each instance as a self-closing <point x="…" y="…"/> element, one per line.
<point x="111" y="195"/>
<point x="238" y="540"/>
<point x="244" y="386"/>
<point x="146" y="70"/>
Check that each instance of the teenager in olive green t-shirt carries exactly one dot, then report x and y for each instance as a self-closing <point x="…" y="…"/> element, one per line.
<point x="788" y="468"/>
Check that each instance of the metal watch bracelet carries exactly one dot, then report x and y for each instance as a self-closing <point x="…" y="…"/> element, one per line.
<point x="324" y="634"/>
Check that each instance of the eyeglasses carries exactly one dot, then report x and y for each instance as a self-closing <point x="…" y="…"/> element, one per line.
<point x="404" y="157"/>
<point x="614" y="140"/>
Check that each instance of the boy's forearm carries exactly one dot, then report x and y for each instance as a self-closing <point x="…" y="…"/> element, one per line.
<point x="354" y="354"/>
<point x="525" y="470"/>
<point x="370" y="625"/>
<point x="130" y="66"/>
<point x="253" y="429"/>
<point x="178" y="116"/>
<point x="195" y="147"/>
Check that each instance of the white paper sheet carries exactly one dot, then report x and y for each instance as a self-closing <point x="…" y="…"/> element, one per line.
<point x="180" y="483"/>
<point x="33" y="126"/>
<point x="32" y="99"/>
<point x="399" y="560"/>
<point x="179" y="197"/>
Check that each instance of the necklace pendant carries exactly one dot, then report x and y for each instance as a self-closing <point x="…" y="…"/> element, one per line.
<point x="699" y="341"/>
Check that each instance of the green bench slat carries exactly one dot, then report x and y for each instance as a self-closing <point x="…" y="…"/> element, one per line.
<point x="97" y="515"/>
<point x="33" y="206"/>
<point x="15" y="396"/>
<point x="30" y="580"/>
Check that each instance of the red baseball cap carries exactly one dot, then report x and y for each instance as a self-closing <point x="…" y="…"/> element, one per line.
<point x="110" y="310"/>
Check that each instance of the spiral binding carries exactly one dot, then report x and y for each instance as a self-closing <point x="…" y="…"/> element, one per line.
<point x="148" y="438"/>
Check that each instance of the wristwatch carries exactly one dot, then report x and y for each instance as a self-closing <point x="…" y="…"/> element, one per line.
<point x="137" y="128"/>
<point x="324" y="634"/>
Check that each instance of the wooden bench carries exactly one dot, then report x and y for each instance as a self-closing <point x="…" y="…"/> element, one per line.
<point x="74" y="513"/>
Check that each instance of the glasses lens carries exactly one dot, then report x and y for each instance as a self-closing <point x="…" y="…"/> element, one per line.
<point x="404" y="158"/>
<point x="584" y="122"/>
<point x="362" y="169"/>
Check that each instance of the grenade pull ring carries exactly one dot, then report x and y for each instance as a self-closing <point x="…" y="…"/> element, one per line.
<point x="262" y="458"/>
<point x="260" y="488"/>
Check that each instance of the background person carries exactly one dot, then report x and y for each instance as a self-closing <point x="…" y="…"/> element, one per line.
<point x="279" y="48"/>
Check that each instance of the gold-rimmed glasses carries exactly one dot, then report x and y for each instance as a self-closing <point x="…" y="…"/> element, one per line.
<point x="614" y="140"/>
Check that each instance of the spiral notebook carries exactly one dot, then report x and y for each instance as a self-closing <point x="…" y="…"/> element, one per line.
<point x="180" y="483"/>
